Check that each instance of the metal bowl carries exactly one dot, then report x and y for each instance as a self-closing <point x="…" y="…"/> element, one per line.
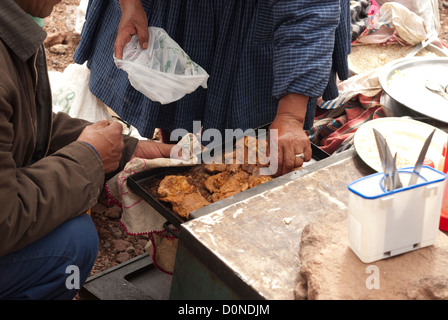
<point x="405" y="93"/>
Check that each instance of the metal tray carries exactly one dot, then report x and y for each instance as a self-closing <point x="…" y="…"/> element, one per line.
<point x="404" y="82"/>
<point x="138" y="183"/>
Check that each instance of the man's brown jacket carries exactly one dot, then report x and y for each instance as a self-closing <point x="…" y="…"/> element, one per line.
<point x="47" y="177"/>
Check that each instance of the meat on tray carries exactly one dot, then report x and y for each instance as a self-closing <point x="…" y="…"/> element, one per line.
<point x="186" y="194"/>
<point x="183" y="197"/>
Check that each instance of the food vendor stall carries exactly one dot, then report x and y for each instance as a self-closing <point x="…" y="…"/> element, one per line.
<point x="247" y="246"/>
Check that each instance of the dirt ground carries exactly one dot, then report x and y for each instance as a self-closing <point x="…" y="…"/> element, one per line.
<point x="115" y="245"/>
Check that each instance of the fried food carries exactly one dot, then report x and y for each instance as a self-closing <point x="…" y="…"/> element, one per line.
<point x="237" y="183"/>
<point x="215" y="182"/>
<point x="215" y="167"/>
<point x="239" y="171"/>
<point x="188" y="203"/>
<point x="184" y="198"/>
<point x="173" y="185"/>
<point x="255" y="181"/>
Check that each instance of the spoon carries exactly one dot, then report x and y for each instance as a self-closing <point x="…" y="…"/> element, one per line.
<point x="437" y="88"/>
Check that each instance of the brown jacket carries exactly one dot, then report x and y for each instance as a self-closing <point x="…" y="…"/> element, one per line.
<point x="47" y="177"/>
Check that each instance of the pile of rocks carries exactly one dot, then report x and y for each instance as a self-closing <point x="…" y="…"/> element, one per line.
<point x="116" y="246"/>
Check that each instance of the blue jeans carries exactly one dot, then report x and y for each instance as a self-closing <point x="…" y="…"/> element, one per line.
<point x="53" y="267"/>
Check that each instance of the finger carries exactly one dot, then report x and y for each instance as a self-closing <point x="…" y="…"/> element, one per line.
<point x="289" y="160"/>
<point x="122" y="39"/>
<point x="100" y="124"/>
<point x="143" y="37"/>
<point x="279" y="162"/>
<point x="115" y="127"/>
<point x="299" y="159"/>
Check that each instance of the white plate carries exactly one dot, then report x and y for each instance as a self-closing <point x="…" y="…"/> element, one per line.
<point x="404" y="136"/>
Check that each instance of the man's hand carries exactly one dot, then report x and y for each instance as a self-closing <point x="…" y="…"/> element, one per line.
<point x="292" y="139"/>
<point x="133" y="21"/>
<point x="106" y="137"/>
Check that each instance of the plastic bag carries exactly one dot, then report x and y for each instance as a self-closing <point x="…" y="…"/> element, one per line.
<point x="163" y="72"/>
<point x="393" y="23"/>
<point x="71" y="94"/>
<point x="406" y="22"/>
<point x="409" y="26"/>
<point x="427" y="9"/>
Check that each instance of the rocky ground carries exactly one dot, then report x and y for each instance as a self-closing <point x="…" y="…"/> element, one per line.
<point x="115" y="245"/>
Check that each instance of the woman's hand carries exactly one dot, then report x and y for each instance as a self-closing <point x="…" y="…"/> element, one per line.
<point x="292" y="140"/>
<point x="133" y="21"/>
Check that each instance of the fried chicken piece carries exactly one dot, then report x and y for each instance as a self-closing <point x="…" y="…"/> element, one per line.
<point x="255" y="181"/>
<point x="172" y="185"/>
<point x="189" y="203"/>
<point x="235" y="167"/>
<point x="181" y="194"/>
<point x="215" y="167"/>
<point x="238" y="182"/>
<point x="215" y="182"/>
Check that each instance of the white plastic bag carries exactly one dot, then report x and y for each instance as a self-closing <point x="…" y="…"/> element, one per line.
<point x="71" y="94"/>
<point x="163" y="72"/>
<point x="427" y="9"/>
<point x="409" y="26"/>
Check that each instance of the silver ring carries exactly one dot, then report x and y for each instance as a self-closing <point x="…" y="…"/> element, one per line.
<point x="300" y="155"/>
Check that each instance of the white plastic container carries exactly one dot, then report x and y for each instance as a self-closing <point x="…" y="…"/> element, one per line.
<point x="384" y="224"/>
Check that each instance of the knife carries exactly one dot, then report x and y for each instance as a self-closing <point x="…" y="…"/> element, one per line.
<point x="421" y="157"/>
<point x="392" y="179"/>
<point x="380" y="143"/>
<point x="395" y="175"/>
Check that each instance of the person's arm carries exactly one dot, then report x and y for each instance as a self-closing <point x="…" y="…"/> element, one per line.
<point x="133" y="21"/>
<point x="67" y="129"/>
<point x="39" y="197"/>
<point x="304" y="42"/>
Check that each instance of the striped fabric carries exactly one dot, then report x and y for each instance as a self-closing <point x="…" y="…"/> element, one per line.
<point x="335" y="126"/>
<point x="254" y="51"/>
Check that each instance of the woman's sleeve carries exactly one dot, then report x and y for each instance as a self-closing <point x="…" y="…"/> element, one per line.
<point x="304" y="36"/>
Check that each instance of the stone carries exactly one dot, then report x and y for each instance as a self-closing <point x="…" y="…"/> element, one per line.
<point x="116" y="232"/>
<point x="142" y="242"/>
<point x="330" y="270"/>
<point x="130" y="249"/>
<point x="54" y="39"/>
<point x="121" y="245"/>
<point x="58" y="48"/>
<point x="123" y="256"/>
<point x="102" y="231"/>
<point x="113" y="212"/>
